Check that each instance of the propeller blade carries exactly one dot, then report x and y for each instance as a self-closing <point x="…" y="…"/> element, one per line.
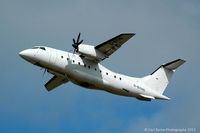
<point x="74" y="41"/>
<point x="80" y="42"/>
<point x="78" y="37"/>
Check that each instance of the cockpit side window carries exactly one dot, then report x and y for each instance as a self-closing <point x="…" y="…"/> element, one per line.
<point x="43" y="48"/>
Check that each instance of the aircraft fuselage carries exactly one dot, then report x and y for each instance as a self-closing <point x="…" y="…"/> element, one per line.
<point x="85" y="73"/>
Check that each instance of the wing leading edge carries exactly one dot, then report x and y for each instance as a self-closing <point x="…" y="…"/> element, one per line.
<point x="112" y="45"/>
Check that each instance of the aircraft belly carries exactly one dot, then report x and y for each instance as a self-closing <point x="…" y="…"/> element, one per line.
<point x="92" y="81"/>
<point x="119" y="90"/>
<point x="84" y="79"/>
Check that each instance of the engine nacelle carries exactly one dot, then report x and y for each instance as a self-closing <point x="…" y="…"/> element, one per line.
<point x="90" y="52"/>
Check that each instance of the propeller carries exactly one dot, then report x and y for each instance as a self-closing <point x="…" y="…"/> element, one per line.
<point x="76" y="43"/>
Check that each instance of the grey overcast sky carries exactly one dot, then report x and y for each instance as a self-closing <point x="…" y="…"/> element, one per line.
<point x="165" y="30"/>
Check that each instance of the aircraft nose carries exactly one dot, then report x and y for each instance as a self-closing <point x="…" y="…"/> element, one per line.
<point x="27" y="55"/>
<point x="24" y="54"/>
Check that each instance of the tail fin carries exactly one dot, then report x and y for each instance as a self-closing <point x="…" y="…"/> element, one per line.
<point x="159" y="79"/>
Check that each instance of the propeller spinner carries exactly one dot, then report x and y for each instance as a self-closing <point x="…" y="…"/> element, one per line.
<point x="76" y="43"/>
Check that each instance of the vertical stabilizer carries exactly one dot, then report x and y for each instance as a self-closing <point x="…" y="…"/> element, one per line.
<point x="159" y="79"/>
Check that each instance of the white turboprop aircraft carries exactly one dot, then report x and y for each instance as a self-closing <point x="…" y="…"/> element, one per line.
<point x="82" y="67"/>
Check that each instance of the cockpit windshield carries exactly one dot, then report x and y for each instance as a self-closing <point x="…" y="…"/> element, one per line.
<point x="36" y="47"/>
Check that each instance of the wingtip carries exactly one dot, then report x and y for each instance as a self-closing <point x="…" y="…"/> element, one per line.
<point x="181" y="60"/>
<point x="128" y="33"/>
<point x="132" y="33"/>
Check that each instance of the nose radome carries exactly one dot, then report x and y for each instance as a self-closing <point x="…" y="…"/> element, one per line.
<point x="23" y="53"/>
<point x="26" y="54"/>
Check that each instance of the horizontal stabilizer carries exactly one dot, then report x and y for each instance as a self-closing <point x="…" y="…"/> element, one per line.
<point x="174" y="64"/>
<point x="145" y="97"/>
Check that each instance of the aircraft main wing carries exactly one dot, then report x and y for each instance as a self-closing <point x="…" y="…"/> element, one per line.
<point x="55" y="82"/>
<point x="112" y="45"/>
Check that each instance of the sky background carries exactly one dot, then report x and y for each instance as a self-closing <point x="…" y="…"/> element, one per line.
<point x="165" y="30"/>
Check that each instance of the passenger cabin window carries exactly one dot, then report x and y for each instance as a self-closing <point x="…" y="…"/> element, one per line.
<point x="120" y="78"/>
<point x="114" y="76"/>
<point x="106" y="73"/>
<point x="61" y="56"/>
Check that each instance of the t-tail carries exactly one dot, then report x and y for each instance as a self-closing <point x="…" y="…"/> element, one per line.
<point x="159" y="79"/>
